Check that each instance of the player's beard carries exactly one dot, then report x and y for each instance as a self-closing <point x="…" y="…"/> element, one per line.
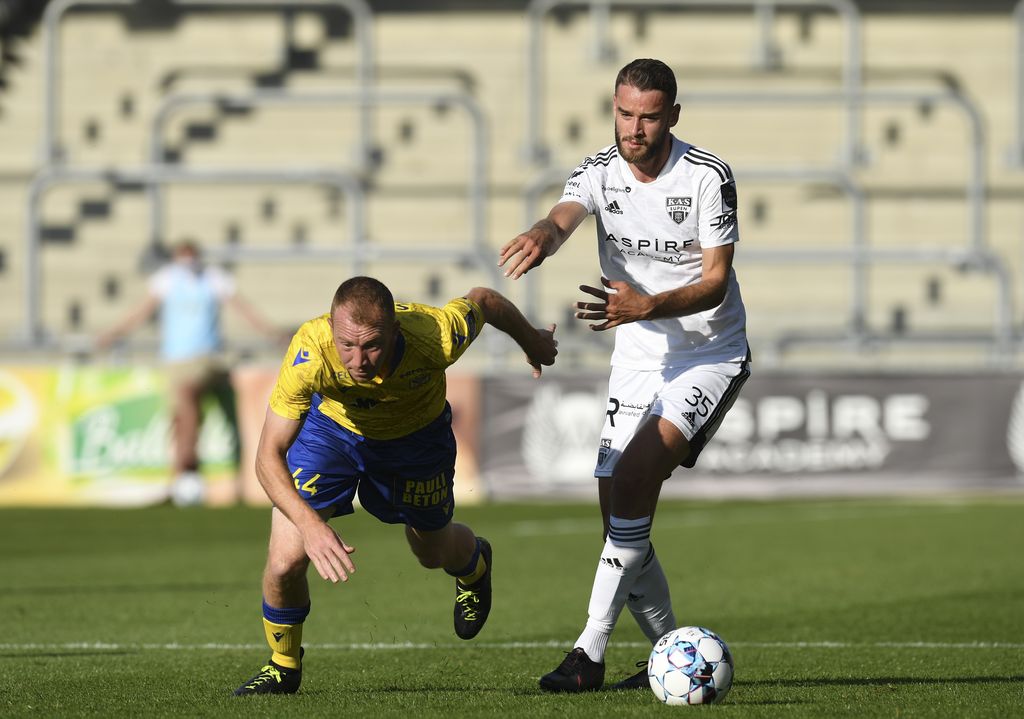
<point x="651" y="148"/>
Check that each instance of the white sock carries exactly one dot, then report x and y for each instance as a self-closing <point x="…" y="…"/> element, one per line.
<point x="621" y="561"/>
<point x="649" y="601"/>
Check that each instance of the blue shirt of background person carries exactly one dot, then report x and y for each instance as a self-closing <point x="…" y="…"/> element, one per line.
<point x="190" y="301"/>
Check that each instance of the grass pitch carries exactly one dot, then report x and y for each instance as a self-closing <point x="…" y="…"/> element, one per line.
<point x="850" y="608"/>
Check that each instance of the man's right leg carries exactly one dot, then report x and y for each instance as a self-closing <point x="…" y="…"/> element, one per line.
<point x="285" y="607"/>
<point x="647" y="461"/>
<point x="649" y="601"/>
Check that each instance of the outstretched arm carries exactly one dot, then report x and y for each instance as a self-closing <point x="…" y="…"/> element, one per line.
<point x="130" y="322"/>
<point x="323" y="546"/>
<point x="539" y="345"/>
<point x="255" y="318"/>
<point x="542" y="240"/>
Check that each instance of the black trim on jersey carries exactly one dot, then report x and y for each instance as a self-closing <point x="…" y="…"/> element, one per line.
<point x="601" y="158"/>
<point x="696" y="156"/>
<point x="706" y="432"/>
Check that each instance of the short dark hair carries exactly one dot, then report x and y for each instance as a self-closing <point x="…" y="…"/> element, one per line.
<point x="187" y="246"/>
<point x="648" y="74"/>
<point x="368" y="299"/>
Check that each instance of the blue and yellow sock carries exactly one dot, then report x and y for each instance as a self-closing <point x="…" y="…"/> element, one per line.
<point x="283" y="628"/>
<point x="474" y="570"/>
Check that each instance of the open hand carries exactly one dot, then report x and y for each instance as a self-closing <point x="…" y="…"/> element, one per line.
<point x="328" y="552"/>
<point x="619" y="303"/>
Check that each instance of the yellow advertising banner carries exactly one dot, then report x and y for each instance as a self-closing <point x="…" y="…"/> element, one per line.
<point x="100" y="436"/>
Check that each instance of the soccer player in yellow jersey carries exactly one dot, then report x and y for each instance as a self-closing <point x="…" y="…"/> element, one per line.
<point x="359" y="407"/>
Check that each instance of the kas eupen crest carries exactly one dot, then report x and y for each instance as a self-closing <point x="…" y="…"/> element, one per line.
<point x="678" y="208"/>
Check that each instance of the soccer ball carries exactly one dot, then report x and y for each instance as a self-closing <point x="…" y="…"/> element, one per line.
<point x="690" y="665"/>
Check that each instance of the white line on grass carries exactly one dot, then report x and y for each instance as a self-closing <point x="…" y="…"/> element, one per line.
<point x="552" y="644"/>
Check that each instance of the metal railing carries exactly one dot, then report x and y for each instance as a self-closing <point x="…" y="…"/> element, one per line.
<point x="346" y="183"/>
<point x="53" y="151"/>
<point x="478" y="250"/>
<point x="1017" y="151"/>
<point x="536" y="147"/>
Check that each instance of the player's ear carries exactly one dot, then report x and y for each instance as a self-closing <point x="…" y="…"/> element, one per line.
<point x="674" y="117"/>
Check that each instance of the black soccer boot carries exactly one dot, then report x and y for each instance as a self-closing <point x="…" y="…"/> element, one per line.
<point x="637" y="681"/>
<point x="473" y="601"/>
<point x="273" y="679"/>
<point x="576" y="673"/>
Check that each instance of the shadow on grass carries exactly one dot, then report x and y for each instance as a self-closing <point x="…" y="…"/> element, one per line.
<point x="880" y="681"/>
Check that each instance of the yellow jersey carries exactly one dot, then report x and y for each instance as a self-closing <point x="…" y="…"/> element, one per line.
<point x="408" y="398"/>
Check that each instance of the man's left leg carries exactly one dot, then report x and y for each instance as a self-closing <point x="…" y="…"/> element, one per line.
<point x="187" y="486"/>
<point x="285" y="608"/>
<point x="463" y="555"/>
<point x="655" y="450"/>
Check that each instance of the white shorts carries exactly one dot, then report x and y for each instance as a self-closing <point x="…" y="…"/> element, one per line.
<point x="694" y="398"/>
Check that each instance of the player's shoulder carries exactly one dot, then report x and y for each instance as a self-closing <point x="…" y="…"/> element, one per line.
<point x="315" y="335"/>
<point x="416" y="312"/>
<point x="215" y="272"/>
<point x="698" y="160"/>
<point x="599" y="162"/>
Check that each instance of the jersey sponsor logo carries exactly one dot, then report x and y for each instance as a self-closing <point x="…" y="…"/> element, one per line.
<point x="425" y="493"/>
<point x="608" y="188"/>
<point x="724" y="222"/>
<point x="301" y="357"/>
<point x="678" y="208"/>
<point x="669" y="251"/>
<point x="729" y="196"/>
<point x="613" y="207"/>
<point x="417" y="377"/>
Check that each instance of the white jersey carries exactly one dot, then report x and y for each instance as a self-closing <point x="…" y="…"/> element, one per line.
<point x="651" y="235"/>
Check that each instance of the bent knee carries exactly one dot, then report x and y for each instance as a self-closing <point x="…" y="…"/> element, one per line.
<point x="287" y="568"/>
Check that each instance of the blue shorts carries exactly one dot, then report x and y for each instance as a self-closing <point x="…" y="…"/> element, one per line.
<point x="407" y="480"/>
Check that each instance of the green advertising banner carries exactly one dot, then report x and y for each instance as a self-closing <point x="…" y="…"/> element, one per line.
<point x="101" y="436"/>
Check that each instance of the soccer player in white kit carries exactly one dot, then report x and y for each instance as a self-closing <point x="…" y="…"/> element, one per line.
<point x="666" y="233"/>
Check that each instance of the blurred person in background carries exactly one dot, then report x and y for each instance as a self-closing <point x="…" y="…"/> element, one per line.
<point x="666" y="230"/>
<point x="360" y="408"/>
<point x="189" y="295"/>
